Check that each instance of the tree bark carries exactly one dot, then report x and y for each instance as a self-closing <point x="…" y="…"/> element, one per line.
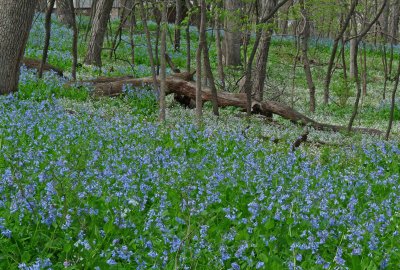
<point x="98" y="31"/>
<point x="358" y="39"/>
<point x="199" y="101"/>
<point x="232" y="37"/>
<point x="306" y="62"/>
<point x="178" y="20"/>
<point x="188" y="40"/>
<point x="41" y="6"/>
<point x="149" y="47"/>
<point x="64" y="13"/>
<point x="47" y="37"/>
<point x="393" y="103"/>
<point x="263" y="52"/>
<point x="221" y="72"/>
<point x="339" y="37"/>
<point x="163" y="74"/>
<point x="353" y="48"/>
<point x="394" y="32"/>
<point x="74" y="41"/>
<point x="15" y="23"/>
<point x="128" y="13"/>
<point x="206" y="59"/>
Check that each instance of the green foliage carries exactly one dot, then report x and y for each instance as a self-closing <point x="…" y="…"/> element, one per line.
<point x="343" y="90"/>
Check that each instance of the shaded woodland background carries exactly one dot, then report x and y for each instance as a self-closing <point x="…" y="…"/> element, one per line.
<point x="241" y="32"/>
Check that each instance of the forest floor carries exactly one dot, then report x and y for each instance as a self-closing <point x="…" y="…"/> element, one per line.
<point x="99" y="183"/>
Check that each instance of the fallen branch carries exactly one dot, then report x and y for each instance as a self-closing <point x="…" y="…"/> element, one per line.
<point x="182" y="85"/>
<point x="35" y="64"/>
<point x="299" y="140"/>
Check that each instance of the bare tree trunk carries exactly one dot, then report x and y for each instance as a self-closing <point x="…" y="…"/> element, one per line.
<point x="232" y="37"/>
<point x="125" y="20"/>
<point x="128" y="13"/>
<point x="306" y="63"/>
<point x="384" y="36"/>
<point x="358" y="39"/>
<point x="163" y="75"/>
<point x="47" y="37"/>
<point x="221" y="72"/>
<point x="263" y="52"/>
<point x="92" y="13"/>
<point x="188" y="48"/>
<point x="157" y="17"/>
<point x="199" y="101"/>
<point x="393" y="103"/>
<point x="15" y="22"/>
<point x="394" y="32"/>
<point x="364" y="71"/>
<point x="74" y="41"/>
<point x="132" y="43"/>
<point x="353" y="48"/>
<point x="339" y="37"/>
<point x="385" y="22"/>
<point x="149" y="47"/>
<point x="247" y="86"/>
<point x="64" y="13"/>
<point x="41" y="6"/>
<point x="98" y="31"/>
<point x="178" y="20"/>
<point x="188" y="45"/>
<point x="206" y="58"/>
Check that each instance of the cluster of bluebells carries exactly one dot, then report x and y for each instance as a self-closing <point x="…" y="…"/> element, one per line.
<point x="38" y="264"/>
<point x="132" y="192"/>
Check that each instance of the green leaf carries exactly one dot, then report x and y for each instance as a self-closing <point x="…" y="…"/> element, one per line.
<point x="26" y="256"/>
<point x="270" y="224"/>
<point x="356" y="262"/>
<point x="67" y="247"/>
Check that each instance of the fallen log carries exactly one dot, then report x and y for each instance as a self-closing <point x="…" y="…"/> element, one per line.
<point x="301" y="139"/>
<point x="181" y="86"/>
<point x="35" y="64"/>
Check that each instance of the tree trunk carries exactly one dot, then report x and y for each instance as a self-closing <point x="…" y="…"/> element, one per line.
<point x="221" y="72"/>
<point x="128" y="13"/>
<point x="41" y="6"/>
<point x="263" y="52"/>
<point x="199" y="101"/>
<point x="15" y="23"/>
<point x="188" y="44"/>
<point x="306" y="63"/>
<point x="157" y="16"/>
<point x="339" y="37"/>
<point x="394" y="33"/>
<point x="393" y="103"/>
<point x="47" y="38"/>
<point x="163" y="66"/>
<point x="206" y="59"/>
<point x="178" y="20"/>
<point x="232" y="37"/>
<point x="74" y="41"/>
<point x="149" y="47"/>
<point x="247" y="73"/>
<point x="354" y="61"/>
<point x="64" y="13"/>
<point x="353" y="48"/>
<point x="98" y="31"/>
